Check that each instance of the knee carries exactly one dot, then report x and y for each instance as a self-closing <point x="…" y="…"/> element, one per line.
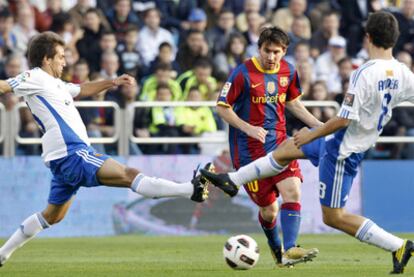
<point x="332" y="220"/>
<point x="52" y="219"/>
<point x="291" y="194"/>
<point x="130" y="174"/>
<point x="268" y="214"/>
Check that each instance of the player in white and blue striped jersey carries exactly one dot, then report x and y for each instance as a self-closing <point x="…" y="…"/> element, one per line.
<point x="339" y="145"/>
<point x="66" y="147"/>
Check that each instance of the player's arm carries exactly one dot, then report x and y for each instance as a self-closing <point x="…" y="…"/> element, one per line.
<point x="297" y="108"/>
<point x="92" y="88"/>
<point x="227" y="113"/>
<point x="334" y="124"/>
<point x="5" y="87"/>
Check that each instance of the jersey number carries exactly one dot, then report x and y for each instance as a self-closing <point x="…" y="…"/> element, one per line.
<point x="253" y="186"/>
<point x="322" y="190"/>
<point x="385" y="102"/>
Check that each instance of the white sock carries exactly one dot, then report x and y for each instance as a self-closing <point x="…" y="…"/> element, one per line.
<point x="28" y="229"/>
<point x="259" y="169"/>
<point x="156" y="187"/>
<point x="371" y="233"/>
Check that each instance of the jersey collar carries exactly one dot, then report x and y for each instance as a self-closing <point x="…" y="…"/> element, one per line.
<point x="261" y="69"/>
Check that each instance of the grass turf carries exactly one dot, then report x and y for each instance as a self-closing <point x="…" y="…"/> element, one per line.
<point x="132" y="255"/>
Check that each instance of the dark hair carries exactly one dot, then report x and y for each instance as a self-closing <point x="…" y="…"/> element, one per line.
<point x="5" y="13"/>
<point x="273" y="35"/>
<point x="162" y="67"/>
<point x="93" y="10"/>
<point x="163" y="86"/>
<point x="202" y="63"/>
<point x="382" y="27"/>
<point x="233" y="37"/>
<point x="165" y="44"/>
<point x="82" y="61"/>
<point x="41" y="46"/>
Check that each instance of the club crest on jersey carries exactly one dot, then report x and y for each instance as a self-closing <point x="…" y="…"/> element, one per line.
<point x="225" y="89"/>
<point x="282" y="98"/>
<point x="271" y="87"/>
<point x="283" y="81"/>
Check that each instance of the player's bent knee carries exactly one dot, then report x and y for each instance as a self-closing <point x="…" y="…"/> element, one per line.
<point x="130" y="174"/>
<point x="333" y="220"/>
<point x="268" y="213"/>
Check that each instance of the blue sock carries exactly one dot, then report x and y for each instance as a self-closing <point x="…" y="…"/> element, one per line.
<point x="270" y="230"/>
<point x="290" y="221"/>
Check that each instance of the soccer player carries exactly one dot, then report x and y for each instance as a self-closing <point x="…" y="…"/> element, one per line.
<point x="66" y="147"/>
<point x="253" y="102"/>
<point x="338" y="146"/>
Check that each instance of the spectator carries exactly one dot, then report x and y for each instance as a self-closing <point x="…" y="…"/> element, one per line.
<point x="194" y="121"/>
<point x="53" y="8"/>
<point x="297" y="34"/>
<point x="166" y="55"/>
<point x="79" y="11"/>
<point x="328" y="29"/>
<point x="217" y="37"/>
<point x="162" y="75"/>
<point x="80" y="72"/>
<point x="195" y="47"/>
<point x="109" y="65"/>
<point x="163" y="122"/>
<point x="89" y="47"/>
<point x="197" y="20"/>
<point x="327" y="64"/>
<point x="234" y="54"/>
<point x="64" y="26"/>
<point x="120" y="17"/>
<point x="131" y="60"/>
<point x="201" y="78"/>
<point x="24" y="29"/>
<point x="253" y="21"/>
<point x="152" y="35"/>
<point x="71" y="58"/>
<point x="8" y="40"/>
<point x="305" y="72"/>
<point x="319" y="92"/>
<point x="213" y="9"/>
<point x="283" y="17"/>
<point x="405" y="58"/>
<point x="250" y="6"/>
<point x="405" y="20"/>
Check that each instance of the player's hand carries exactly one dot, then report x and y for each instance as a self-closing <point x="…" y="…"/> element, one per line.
<point x="124" y="79"/>
<point x="302" y="137"/>
<point x="257" y="133"/>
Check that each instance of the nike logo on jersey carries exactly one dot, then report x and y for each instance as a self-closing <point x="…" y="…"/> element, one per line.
<point x="256" y="85"/>
<point x="67" y="102"/>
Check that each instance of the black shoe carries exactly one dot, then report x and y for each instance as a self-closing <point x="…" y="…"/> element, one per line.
<point x="200" y="184"/>
<point x="221" y="181"/>
<point x="277" y="255"/>
<point x="401" y="257"/>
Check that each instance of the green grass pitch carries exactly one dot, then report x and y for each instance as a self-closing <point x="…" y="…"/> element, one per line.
<point x="137" y="255"/>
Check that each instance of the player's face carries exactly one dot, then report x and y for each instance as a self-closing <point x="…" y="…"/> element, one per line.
<point x="270" y="55"/>
<point x="58" y="62"/>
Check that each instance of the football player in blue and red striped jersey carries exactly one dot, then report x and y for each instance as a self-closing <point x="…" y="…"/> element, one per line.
<point x="253" y="102"/>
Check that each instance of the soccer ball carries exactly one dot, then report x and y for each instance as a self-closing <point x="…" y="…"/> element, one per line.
<point x="241" y="252"/>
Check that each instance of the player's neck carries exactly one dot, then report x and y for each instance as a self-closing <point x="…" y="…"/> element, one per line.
<point x="380" y="53"/>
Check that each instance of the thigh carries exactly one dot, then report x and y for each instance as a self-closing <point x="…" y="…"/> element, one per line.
<point x="287" y="152"/>
<point x="113" y="173"/>
<point x="335" y="182"/>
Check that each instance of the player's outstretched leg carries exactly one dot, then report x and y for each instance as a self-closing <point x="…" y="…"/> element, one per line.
<point x="200" y="184"/>
<point x="401" y="257"/>
<point x="222" y="181"/>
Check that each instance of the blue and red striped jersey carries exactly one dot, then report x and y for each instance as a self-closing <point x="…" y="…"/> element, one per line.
<point x="258" y="97"/>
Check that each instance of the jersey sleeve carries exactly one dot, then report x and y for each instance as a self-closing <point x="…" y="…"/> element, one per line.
<point x="294" y="90"/>
<point x="73" y="89"/>
<point x="231" y="89"/>
<point x="353" y="98"/>
<point x="25" y="84"/>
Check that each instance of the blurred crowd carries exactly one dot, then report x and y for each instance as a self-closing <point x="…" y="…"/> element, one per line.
<point x="184" y="50"/>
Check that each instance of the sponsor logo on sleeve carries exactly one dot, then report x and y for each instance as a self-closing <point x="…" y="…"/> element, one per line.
<point x="349" y="99"/>
<point x="225" y="89"/>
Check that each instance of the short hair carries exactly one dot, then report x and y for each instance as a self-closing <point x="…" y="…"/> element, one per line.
<point x="163" y="86"/>
<point x="202" y="63"/>
<point x="162" y="67"/>
<point x="382" y="27"/>
<point x="273" y="35"/>
<point x="165" y="44"/>
<point x="41" y="46"/>
<point x="82" y="61"/>
<point x="5" y="13"/>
